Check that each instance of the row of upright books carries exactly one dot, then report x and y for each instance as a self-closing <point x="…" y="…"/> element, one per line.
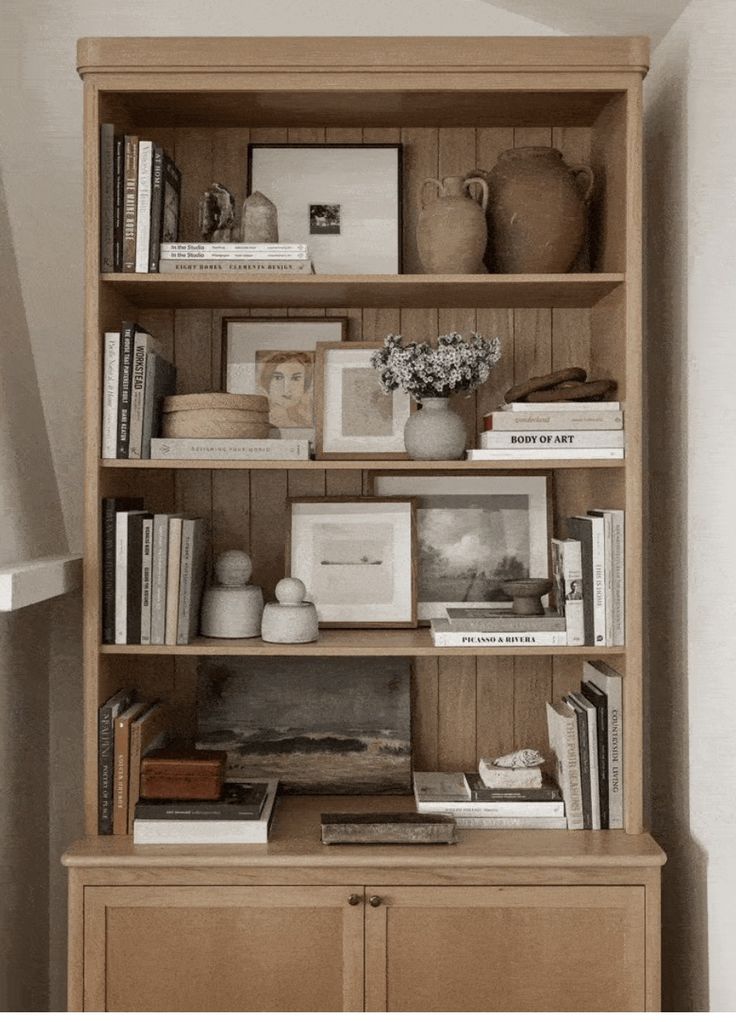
<point x="555" y="430"/>
<point x="153" y="571"/>
<point x="589" y="596"/>
<point x="586" y="737"/>
<point x="135" y="380"/>
<point x="140" y="199"/>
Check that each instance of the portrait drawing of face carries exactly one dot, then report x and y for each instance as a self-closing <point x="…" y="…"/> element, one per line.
<point x="286" y="378"/>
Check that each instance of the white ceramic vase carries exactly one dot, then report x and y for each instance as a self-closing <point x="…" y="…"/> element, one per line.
<point x="435" y="432"/>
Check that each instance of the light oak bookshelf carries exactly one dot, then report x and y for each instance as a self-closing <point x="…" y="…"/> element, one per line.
<point x="454" y="104"/>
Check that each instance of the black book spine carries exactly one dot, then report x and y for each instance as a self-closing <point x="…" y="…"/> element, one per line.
<point x="135" y="578"/>
<point x="119" y="203"/>
<point x="130" y="202"/>
<point x="157" y="206"/>
<point x="600" y="701"/>
<point x="105" y="785"/>
<point x="110" y="506"/>
<point x="127" y="338"/>
<point x="107" y="197"/>
<point x="582" y="719"/>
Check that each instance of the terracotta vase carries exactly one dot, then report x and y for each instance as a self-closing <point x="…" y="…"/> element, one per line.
<point x="435" y="432"/>
<point x="452" y="230"/>
<point x="537" y="212"/>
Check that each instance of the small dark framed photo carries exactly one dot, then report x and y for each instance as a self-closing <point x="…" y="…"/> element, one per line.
<point x="343" y="201"/>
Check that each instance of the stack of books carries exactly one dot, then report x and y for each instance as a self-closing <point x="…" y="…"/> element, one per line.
<point x="136" y="379"/>
<point x="474" y="804"/>
<point x="234" y="257"/>
<point x="473" y="626"/>
<point x="153" y="569"/>
<point x="140" y="198"/>
<point x="553" y="430"/>
<point x="586" y="736"/>
<point x="243" y="815"/>
<point x="600" y="566"/>
<point x="127" y="730"/>
<point x="226" y="449"/>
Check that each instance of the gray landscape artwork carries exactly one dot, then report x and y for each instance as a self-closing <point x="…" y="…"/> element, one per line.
<point x="335" y="726"/>
<point x="353" y="564"/>
<point x="366" y="410"/>
<point x="468" y="544"/>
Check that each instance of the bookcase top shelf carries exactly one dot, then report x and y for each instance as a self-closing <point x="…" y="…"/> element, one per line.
<point x="230" y="290"/>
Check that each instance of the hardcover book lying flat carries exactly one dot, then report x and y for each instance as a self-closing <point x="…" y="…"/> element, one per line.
<point x="243" y="816"/>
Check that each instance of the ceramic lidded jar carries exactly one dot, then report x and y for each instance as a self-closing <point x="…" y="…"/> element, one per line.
<point x="537" y="211"/>
<point x="435" y="432"/>
<point x="452" y="230"/>
<point x="231" y="609"/>
<point x="290" y="618"/>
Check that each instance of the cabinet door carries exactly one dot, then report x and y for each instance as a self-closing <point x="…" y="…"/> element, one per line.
<point x="223" y="949"/>
<point x="505" y="949"/>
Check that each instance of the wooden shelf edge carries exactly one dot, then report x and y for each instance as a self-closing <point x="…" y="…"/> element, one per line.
<point x="471" y="467"/>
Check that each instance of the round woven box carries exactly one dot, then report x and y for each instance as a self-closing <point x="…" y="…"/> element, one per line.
<point x="215" y="417"/>
<point x="196" y="402"/>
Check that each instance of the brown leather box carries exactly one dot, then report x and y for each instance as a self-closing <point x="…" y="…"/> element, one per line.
<point x="175" y="774"/>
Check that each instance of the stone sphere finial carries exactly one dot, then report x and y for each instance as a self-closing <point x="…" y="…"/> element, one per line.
<point x="233" y="568"/>
<point x="290" y="592"/>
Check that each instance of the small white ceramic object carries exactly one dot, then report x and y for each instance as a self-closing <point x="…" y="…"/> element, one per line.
<point x="232" y="609"/>
<point x="290" y="619"/>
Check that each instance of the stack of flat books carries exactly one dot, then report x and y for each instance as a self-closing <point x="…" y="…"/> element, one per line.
<point x="234" y="257"/>
<point x="552" y="431"/>
<point x="243" y="815"/>
<point x="475" y="805"/>
<point x="477" y="626"/>
<point x="586" y="737"/>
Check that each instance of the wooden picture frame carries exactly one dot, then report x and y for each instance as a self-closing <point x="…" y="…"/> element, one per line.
<point x="455" y="486"/>
<point x="298" y="334"/>
<point x="369" y="245"/>
<point x="298" y="564"/>
<point x="329" y="410"/>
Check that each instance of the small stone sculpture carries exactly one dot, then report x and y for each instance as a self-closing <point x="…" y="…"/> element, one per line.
<point x="520" y="758"/>
<point x="260" y="223"/>
<point x="570" y="384"/>
<point x="290" y="619"/>
<point x="217" y="213"/>
<point x="232" y="609"/>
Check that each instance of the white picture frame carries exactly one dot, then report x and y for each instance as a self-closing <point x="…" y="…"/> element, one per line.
<point x="465" y="522"/>
<point x="246" y="346"/>
<point x="356" y="558"/>
<point x="343" y="201"/>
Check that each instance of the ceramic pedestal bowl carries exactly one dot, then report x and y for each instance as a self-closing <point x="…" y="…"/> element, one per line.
<point x="527" y="594"/>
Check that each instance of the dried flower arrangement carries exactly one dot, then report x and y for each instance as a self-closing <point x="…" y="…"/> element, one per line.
<point x="424" y="371"/>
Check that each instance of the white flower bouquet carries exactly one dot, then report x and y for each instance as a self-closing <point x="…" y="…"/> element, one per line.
<point x="424" y="371"/>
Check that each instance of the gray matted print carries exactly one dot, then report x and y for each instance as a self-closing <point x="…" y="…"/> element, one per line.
<point x="366" y="410"/>
<point x="332" y="726"/>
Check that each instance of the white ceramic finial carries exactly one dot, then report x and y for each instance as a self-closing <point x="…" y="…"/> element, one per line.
<point x="290" y="592"/>
<point x="233" y="569"/>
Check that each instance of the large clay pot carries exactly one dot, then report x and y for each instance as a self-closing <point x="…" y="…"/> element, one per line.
<point x="537" y="211"/>
<point x="452" y="230"/>
<point x="435" y="432"/>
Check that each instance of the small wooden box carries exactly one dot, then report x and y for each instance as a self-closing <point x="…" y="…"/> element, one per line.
<point x="175" y="774"/>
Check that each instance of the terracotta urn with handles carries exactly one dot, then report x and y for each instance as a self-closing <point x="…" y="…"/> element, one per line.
<point x="537" y="211"/>
<point x="451" y="230"/>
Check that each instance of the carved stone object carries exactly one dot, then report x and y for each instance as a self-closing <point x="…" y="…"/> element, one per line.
<point x="217" y="213"/>
<point x="260" y="223"/>
<point x="451" y="230"/>
<point x="537" y="211"/>
<point x="232" y="609"/>
<point x="520" y="758"/>
<point x="570" y="384"/>
<point x="290" y="619"/>
<point x="387" y="829"/>
<point x="527" y="594"/>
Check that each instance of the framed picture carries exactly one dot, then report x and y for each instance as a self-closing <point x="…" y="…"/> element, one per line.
<point x="356" y="558"/>
<point x="472" y="533"/>
<point x="354" y="418"/>
<point x="343" y="201"/>
<point x="276" y="357"/>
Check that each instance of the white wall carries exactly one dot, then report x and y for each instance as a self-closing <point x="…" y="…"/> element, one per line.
<point x="691" y="144"/>
<point x="40" y="161"/>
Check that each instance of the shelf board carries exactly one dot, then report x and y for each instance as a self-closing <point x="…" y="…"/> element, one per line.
<point x="469" y="467"/>
<point x="230" y="290"/>
<point x="382" y="642"/>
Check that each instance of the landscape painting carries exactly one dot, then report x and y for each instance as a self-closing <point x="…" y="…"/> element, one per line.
<point x="340" y="727"/>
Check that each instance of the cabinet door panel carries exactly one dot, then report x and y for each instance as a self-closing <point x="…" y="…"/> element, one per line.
<point x="223" y="949"/>
<point x="505" y="949"/>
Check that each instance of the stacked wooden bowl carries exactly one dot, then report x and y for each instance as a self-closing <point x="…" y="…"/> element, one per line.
<point x="215" y="416"/>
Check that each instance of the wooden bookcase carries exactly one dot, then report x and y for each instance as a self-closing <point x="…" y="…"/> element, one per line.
<point x="455" y="104"/>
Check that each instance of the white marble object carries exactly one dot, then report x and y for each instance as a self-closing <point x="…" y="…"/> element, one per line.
<point x="520" y="758"/>
<point x="290" y="619"/>
<point x="232" y="609"/>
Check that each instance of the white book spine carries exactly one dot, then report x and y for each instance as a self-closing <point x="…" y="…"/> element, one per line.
<point x="188" y="533"/>
<point x="220" y="832"/>
<point x="563" y="740"/>
<point x="567" y="418"/>
<point x="511" y="823"/>
<point x="599" y="582"/>
<point x="194" y="266"/>
<point x="158" y="578"/>
<point x="143" y="215"/>
<point x="568" y="560"/>
<point x="111" y="386"/>
<point x="549" y="440"/>
<point x="230" y="450"/>
<point x="618" y="574"/>
<point x="499" y="638"/>
<point x="608" y="543"/>
<point x="141" y="346"/>
<point x="557" y="406"/>
<point x="146" y="582"/>
<point x="233" y="251"/>
<point x="494" y="809"/>
<point x="555" y="454"/>
<point x="121" y="577"/>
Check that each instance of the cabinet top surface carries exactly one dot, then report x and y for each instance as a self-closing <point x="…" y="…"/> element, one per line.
<point x="295" y="841"/>
<point x="323" y="53"/>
